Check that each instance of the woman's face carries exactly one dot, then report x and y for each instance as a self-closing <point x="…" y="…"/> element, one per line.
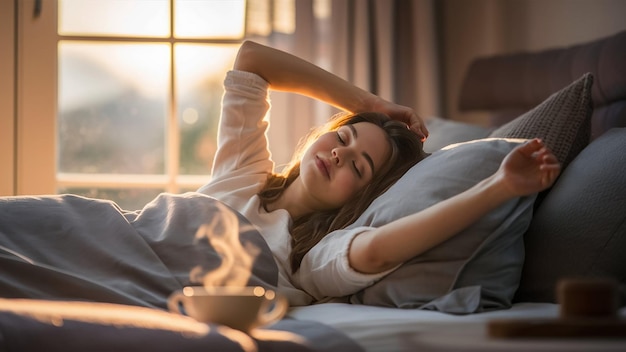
<point x="340" y="163"/>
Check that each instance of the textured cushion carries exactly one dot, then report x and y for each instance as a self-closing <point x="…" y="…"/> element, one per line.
<point x="580" y="228"/>
<point x="563" y="121"/>
<point x="429" y="281"/>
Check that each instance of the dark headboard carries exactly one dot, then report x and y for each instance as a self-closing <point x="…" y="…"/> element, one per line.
<point x="508" y="85"/>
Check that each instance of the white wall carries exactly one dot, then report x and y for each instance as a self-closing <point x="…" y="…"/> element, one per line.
<point x="539" y="24"/>
<point x="473" y="28"/>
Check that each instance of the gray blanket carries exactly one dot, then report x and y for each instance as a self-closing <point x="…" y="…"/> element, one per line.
<point x="73" y="248"/>
<point x="70" y="247"/>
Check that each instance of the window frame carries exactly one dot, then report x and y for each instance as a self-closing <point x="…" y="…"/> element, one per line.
<point x="35" y="129"/>
<point x="7" y="97"/>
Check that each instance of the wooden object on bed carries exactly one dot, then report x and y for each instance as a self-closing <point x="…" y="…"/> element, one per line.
<point x="587" y="298"/>
<point x="588" y="310"/>
<point x="566" y="328"/>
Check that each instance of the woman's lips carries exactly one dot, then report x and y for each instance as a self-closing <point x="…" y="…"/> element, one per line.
<point x="323" y="166"/>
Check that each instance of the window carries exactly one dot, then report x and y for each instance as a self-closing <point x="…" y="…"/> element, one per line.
<point x="138" y="90"/>
<point x="139" y="94"/>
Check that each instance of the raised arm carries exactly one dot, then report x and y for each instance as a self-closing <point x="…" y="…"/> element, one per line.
<point x="527" y="169"/>
<point x="286" y="72"/>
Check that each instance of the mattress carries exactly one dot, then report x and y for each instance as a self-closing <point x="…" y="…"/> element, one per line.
<point x="392" y="329"/>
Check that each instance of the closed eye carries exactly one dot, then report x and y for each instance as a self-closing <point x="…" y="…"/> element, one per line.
<point x="365" y="155"/>
<point x="356" y="169"/>
<point x="341" y="140"/>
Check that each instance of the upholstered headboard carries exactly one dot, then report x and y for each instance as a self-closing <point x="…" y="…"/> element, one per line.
<point x="508" y="85"/>
<point x="579" y="227"/>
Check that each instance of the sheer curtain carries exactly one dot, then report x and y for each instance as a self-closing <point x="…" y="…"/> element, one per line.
<point x="388" y="47"/>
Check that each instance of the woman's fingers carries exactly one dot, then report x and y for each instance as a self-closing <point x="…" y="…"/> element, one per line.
<point x="420" y="130"/>
<point x="536" y="163"/>
<point x="549" y="167"/>
<point x="417" y="125"/>
<point x="404" y="114"/>
<point x="549" y="172"/>
<point x="532" y="147"/>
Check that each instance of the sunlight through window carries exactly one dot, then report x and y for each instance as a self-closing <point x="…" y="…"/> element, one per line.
<point x="209" y="18"/>
<point x="140" y="85"/>
<point x="139" y="18"/>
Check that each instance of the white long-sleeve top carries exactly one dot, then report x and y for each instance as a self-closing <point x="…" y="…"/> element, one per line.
<point x="240" y="169"/>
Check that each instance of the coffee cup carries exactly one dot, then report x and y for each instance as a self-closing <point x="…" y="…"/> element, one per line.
<point x="242" y="308"/>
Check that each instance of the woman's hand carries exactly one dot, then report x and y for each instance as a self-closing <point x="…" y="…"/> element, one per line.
<point x="402" y="114"/>
<point x="529" y="168"/>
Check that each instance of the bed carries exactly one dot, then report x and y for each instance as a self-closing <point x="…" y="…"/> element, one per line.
<point x="575" y="99"/>
<point x="506" y="266"/>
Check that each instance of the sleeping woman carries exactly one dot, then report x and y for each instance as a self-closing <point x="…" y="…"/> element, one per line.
<point x="338" y="171"/>
<point x="335" y="174"/>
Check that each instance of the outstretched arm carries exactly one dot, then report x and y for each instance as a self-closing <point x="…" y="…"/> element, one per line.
<point x="527" y="169"/>
<point x="286" y="72"/>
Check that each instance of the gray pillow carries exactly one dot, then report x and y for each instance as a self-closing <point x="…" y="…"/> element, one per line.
<point x="478" y="269"/>
<point x="422" y="281"/>
<point x="580" y="227"/>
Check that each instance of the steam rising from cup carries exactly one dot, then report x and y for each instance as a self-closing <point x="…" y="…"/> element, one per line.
<point x="222" y="233"/>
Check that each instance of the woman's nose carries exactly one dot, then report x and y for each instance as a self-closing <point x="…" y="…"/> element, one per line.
<point x="335" y="156"/>
<point x="340" y="154"/>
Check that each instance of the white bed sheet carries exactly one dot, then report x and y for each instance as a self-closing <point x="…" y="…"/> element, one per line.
<point x="390" y="329"/>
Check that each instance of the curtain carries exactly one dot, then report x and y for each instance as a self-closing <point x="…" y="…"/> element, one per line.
<point x="388" y="47"/>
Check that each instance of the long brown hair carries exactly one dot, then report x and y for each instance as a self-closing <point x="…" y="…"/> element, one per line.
<point x="307" y="230"/>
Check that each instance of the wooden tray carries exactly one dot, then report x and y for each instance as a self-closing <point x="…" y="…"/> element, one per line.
<point x="558" y="328"/>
